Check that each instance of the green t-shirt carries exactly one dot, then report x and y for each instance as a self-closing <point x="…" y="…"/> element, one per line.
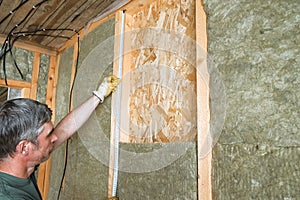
<point x="13" y="188"/>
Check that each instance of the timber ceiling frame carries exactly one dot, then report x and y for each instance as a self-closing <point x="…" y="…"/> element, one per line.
<point x="59" y="19"/>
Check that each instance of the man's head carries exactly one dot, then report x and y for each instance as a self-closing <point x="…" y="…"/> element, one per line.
<point x="21" y="119"/>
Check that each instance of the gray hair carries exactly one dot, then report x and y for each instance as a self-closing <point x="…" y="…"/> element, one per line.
<point x="21" y="119"/>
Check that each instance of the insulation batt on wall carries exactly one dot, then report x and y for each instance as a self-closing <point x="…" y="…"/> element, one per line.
<point x="255" y="46"/>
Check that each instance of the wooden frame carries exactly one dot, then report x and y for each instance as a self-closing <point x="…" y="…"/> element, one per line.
<point x="29" y="90"/>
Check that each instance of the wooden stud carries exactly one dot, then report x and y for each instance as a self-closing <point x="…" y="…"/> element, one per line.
<point x="25" y="92"/>
<point x="51" y="92"/>
<point x="45" y="168"/>
<point x="35" y="75"/>
<point x="203" y="112"/>
<point x="52" y="83"/>
<point x="41" y="178"/>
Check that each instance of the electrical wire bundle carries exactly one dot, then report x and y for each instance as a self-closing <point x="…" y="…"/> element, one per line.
<point x="14" y="35"/>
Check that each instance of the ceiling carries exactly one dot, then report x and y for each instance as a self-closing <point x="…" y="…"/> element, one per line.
<point x="48" y="22"/>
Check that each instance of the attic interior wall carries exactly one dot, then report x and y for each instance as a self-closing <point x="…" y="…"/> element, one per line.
<point x="86" y="170"/>
<point x="255" y="47"/>
<point x="257" y="154"/>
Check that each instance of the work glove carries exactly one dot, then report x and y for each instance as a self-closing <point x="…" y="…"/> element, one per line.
<point x="108" y="86"/>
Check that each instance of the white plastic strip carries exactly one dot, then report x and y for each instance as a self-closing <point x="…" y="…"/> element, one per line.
<point x="113" y="7"/>
<point x="118" y="110"/>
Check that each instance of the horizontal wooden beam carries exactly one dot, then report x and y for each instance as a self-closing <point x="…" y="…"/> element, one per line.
<point x="15" y="84"/>
<point x="31" y="46"/>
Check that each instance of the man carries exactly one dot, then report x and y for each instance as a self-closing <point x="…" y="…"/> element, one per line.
<point x="27" y="138"/>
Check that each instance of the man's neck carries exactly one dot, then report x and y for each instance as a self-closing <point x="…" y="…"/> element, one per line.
<point x="15" y="168"/>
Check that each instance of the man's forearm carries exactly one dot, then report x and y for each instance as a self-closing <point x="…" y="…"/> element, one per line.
<point x="75" y="119"/>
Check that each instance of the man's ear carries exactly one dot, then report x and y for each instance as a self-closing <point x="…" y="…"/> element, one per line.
<point x="23" y="147"/>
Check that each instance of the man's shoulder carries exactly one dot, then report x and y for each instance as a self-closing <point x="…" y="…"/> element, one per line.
<point x="4" y="194"/>
<point x="5" y="197"/>
<point x="8" y="191"/>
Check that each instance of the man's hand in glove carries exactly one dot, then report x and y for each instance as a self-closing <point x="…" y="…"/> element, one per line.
<point x="108" y="86"/>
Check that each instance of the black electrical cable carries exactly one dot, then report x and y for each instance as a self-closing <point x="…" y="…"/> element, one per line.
<point x="14" y="60"/>
<point x="8" y="38"/>
<point x="70" y="108"/>
<point x="69" y="17"/>
<point x="8" y="48"/>
<point x="3" y="64"/>
<point x="27" y="15"/>
<point x="7" y="25"/>
<point x="35" y="33"/>
<point x="47" y="35"/>
<point x="18" y="35"/>
<point x="13" y="11"/>
<point x="43" y="30"/>
<point x="17" y="25"/>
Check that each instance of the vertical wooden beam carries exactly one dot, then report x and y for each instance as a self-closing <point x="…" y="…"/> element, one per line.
<point x="35" y="75"/>
<point x="203" y="112"/>
<point x="51" y="86"/>
<point x="44" y="169"/>
<point x="25" y="92"/>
